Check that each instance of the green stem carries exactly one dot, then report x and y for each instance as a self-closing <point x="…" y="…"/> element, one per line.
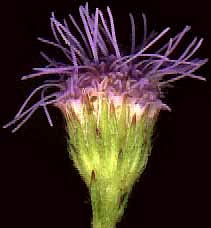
<point x="108" y="203"/>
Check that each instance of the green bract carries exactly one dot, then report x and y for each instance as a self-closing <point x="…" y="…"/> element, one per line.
<point x="110" y="152"/>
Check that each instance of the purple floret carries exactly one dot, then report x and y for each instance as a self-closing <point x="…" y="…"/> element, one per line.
<point x="96" y="64"/>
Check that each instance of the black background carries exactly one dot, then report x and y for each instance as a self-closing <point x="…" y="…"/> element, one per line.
<point x="40" y="187"/>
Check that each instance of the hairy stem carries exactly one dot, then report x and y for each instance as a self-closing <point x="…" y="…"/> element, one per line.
<point x="108" y="203"/>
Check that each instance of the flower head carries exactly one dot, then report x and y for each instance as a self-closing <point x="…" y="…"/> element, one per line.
<point x="110" y="102"/>
<point x="96" y="67"/>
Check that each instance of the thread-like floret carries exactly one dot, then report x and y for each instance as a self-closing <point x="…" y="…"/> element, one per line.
<point x="95" y="66"/>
